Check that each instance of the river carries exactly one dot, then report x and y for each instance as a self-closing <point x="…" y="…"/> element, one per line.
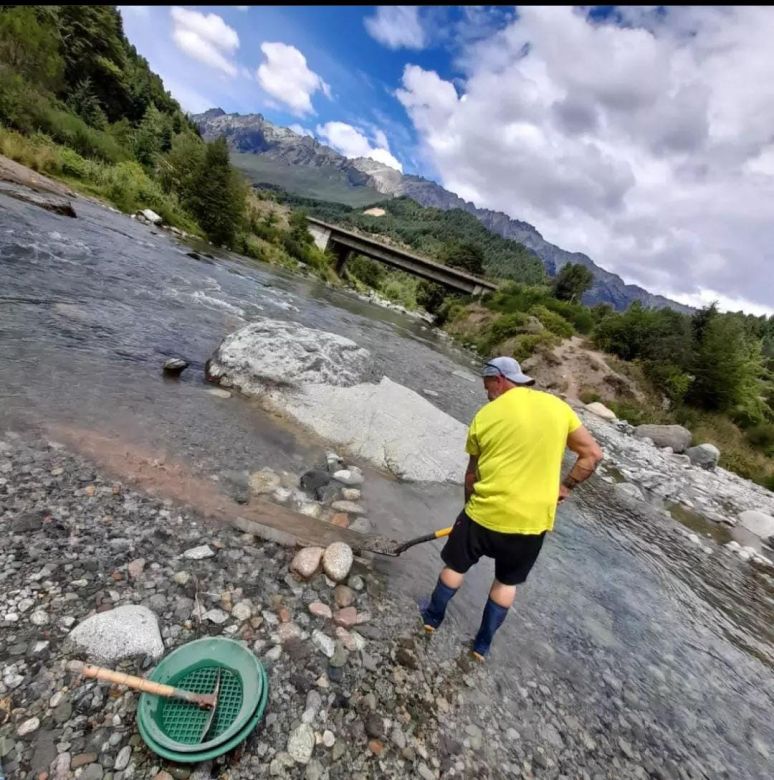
<point x="620" y="608"/>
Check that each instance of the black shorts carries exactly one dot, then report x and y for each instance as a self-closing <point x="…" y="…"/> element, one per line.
<point x="514" y="554"/>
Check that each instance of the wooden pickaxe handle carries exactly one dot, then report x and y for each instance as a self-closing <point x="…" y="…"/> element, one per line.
<point x="148" y="686"/>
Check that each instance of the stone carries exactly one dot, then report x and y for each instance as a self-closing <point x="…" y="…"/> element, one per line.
<point x="199" y="553"/>
<point x="343" y="596"/>
<point x="337" y="561"/>
<point x="674" y="436"/>
<point x="28" y="726"/>
<point x="338" y="659"/>
<point x="760" y="524"/>
<point x="313" y="480"/>
<point x="39" y="618"/>
<point x="311" y="510"/>
<point x="301" y="744"/>
<point x="242" y="611"/>
<point x="346" y="618"/>
<point x="361" y="524"/>
<point x="318" y="609"/>
<point x="60" y="767"/>
<point x="282" y="495"/>
<point x="328" y="738"/>
<point x="264" y="481"/>
<point x="398" y="738"/>
<point x="218" y="393"/>
<point x="182" y="577"/>
<point x="351" y="494"/>
<point x="307" y="561"/>
<point x="376" y="747"/>
<point x="600" y="410"/>
<point x="123" y="757"/>
<point x="288" y="632"/>
<point x="118" y="634"/>
<point x="349" y="477"/>
<point x="135" y="568"/>
<point x="323" y="643"/>
<point x="216" y="616"/>
<point x="175" y="366"/>
<point x="374" y="726"/>
<point x="350" y="507"/>
<point x="705" y="456"/>
<point x="92" y="772"/>
<point x="356" y="582"/>
<point x="82" y="759"/>
<point x="151" y="216"/>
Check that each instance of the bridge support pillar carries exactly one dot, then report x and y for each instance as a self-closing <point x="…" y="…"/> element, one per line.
<point x="341" y="253"/>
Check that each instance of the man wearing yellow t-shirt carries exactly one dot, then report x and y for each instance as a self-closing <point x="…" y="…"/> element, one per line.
<point x="512" y="486"/>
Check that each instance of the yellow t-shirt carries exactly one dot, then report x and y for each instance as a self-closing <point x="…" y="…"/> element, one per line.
<point x="519" y="439"/>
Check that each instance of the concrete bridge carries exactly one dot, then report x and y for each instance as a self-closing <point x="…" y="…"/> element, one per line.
<point x="344" y="243"/>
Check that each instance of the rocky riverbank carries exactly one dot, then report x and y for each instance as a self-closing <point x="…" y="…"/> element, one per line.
<point x="375" y="699"/>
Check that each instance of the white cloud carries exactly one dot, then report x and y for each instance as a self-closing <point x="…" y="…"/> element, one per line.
<point x="397" y="26"/>
<point x="205" y="37"/>
<point x="287" y="78"/>
<point x="649" y="147"/>
<point x="300" y="130"/>
<point x="351" y="142"/>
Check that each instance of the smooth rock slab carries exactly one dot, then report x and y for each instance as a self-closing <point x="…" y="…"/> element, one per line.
<point x="600" y="410"/>
<point x="337" y="561"/>
<point x="301" y="744"/>
<point x="120" y="633"/>
<point x="307" y="561"/>
<point x="758" y="523"/>
<point x="674" y="436"/>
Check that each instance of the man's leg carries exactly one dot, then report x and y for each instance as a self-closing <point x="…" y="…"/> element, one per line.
<point x="499" y="602"/>
<point x="448" y="584"/>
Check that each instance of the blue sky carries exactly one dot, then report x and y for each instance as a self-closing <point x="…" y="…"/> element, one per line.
<point x="639" y="135"/>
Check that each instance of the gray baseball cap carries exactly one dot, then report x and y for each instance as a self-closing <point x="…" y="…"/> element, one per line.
<point x="507" y="367"/>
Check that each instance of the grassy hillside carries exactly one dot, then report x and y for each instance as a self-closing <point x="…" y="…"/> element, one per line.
<point x="303" y="180"/>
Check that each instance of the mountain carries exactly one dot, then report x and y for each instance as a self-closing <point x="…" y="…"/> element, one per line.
<point x="300" y="164"/>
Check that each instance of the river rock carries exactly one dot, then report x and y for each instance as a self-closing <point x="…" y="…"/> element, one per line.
<point x="264" y="481"/>
<point x="343" y="596"/>
<point x="122" y="759"/>
<point x="600" y="410"/>
<point x="118" y="634"/>
<point x="760" y="524"/>
<point x="219" y="393"/>
<point x="337" y="561"/>
<point x="704" y="455"/>
<point x="270" y="352"/>
<point x="310" y="510"/>
<point x="28" y="726"/>
<point x="346" y="618"/>
<point x="323" y="643"/>
<point x="313" y="480"/>
<point x="307" y="561"/>
<point x="351" y="494"/>
<point x="199" y="553"/>
<point x="175" y="366"/>
<point x="350" y="477"/>
<point x="350" y="507"/>
<point x="301" y="744"/>
<point x="318" y="609"/>
<point x="151" y="216"/>
<point x="674" y="436"/>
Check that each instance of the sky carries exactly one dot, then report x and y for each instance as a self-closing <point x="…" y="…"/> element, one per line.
<point x="642" y="136"/>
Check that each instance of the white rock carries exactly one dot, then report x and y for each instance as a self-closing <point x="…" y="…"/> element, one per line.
<point x="217" y="616"/>
<point x="350" y="507"/>
<point x="242" y="611"/>
<point x="218" y="393"/>
<point x="199" y="553"/>
<point x="337" y="561"/>
<point x="307" y="561"/>
<point x="264" y="481"/>
<point x="351" y="477"/>
<point x="311" y="510"/>
<point x="274" y="654"/>
<point x="151" y="216"/>
<point x="301" y="744"/>
<point x="182" y="577"/>
<point x="329" y="738"/>
<point x="39" y="618"/>
<point x="351" y="494"/>
<point x="122" y="759"/>
<point x="757" y="522"/>
<point x="323" y="643"/>
<point x="33" y="724"/>
<point x="600" y="410"/>
<point x="282" y="495"/>
<point x="120" y="633"/>
<point x="25" y="604"/>
<point x="694" y="538"/>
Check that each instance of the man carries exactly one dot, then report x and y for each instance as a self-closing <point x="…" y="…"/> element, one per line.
<point x="515" y="443"/>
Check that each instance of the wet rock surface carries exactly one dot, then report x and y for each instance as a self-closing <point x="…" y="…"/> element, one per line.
<point x="378" y="701"/>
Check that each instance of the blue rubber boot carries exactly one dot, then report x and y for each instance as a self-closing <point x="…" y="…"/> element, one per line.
<point x="434" y="613"/>
<point x="493" y="618"/>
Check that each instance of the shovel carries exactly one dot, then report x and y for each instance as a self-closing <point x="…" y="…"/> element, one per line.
<point x="384" y="546"/>
<point x="207" y="701"/>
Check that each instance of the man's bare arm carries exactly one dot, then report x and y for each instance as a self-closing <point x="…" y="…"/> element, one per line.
<point x="471" y="475"/>
<point x="589" y="453"/>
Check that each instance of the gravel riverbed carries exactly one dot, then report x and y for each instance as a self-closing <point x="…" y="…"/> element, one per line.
<point x="386" y="703"/>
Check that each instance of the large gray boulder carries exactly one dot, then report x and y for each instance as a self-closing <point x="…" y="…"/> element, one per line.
<point x="758" y="523"/>
<point x="704" y="455"/>
<point x="600" y="410"/>
<point x="674" y="436"/>
<point x="121" y="633"/>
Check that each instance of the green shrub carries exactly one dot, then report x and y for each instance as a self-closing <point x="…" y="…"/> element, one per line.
<point x="527" y="344"/>
<point x="589" y="396"/>
<point x="72" y="164"/>
<point x="553" y="321"/>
